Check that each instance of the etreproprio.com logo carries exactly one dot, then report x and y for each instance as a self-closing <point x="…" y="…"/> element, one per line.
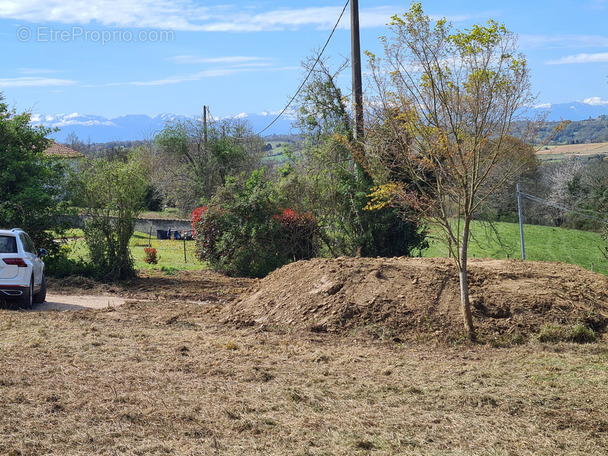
<point x="43" y="34"/>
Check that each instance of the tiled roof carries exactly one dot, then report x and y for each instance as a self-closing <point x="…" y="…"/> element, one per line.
<point x="61" y="151"/>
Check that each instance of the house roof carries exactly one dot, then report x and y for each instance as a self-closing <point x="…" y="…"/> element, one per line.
<point x="61" y="151"/>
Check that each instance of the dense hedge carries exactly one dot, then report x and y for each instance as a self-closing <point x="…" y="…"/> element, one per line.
<point x="244" y="231"/>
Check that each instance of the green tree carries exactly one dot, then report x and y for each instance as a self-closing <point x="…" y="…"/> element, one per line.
<point x="195" y="159"/>
<point x="31" y="184"/>
<point x="445" y="113"/>
<point x="327" y="179"/>
<point x="112" y="193"/>
<point x="246" y="230"/>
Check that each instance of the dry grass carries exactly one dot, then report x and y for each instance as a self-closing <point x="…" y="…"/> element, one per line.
<point x="166" y="378"/>
<point x="576" y="149"/>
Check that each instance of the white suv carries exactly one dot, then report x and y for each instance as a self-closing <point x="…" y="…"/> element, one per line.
<point x="22" y="278"/>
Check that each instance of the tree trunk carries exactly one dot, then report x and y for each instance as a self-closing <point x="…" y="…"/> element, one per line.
<point x="464" y="285"/>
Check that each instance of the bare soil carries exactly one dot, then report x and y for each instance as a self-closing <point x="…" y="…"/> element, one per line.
<point x="393" y="299"/>
<point x="406" y="298"/>
<point x="202" y="364"/>
<point x="195" y="286"/>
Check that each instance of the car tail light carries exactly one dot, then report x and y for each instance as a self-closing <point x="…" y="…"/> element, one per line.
<point x="19" y="262"/>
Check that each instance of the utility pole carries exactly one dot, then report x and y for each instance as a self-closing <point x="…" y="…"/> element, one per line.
<point x="521" y="225"/>
<point x="205" y="126"/>
<point x="356" y="66"/>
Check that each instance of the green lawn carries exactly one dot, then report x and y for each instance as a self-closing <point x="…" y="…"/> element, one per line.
<point x="170" y="253"/>
<point x="543" y="243"/>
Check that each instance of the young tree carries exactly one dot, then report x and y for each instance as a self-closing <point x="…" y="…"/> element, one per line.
<point x="112" y="192"/>
<point x="443" y="128"/>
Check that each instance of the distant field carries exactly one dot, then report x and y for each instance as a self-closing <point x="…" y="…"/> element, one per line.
<point x="573" y="150"/>
<point x="172" y="255"/>
<point x="277" y="153"/>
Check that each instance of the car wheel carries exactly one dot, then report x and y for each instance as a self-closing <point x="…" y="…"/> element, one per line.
<point x="40" y="297"/>
<point x="27" y="298"/>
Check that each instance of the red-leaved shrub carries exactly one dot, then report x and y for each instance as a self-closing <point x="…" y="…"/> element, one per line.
<point x="150" y="255"/>
<point x="301" y="233"/>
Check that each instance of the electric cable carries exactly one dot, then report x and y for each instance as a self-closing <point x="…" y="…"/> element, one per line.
<point x="309" y="73"/>
<point x="562" y="208"/>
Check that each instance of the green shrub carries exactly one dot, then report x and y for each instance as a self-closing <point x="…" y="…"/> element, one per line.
<point x="582" y="334"/>
<point x="61" y="265"/>
<point x="387" y="234"/>
<point x="112" y="193"/>
<point x="244" y="232"/>
<point x="300" y="234"/>
<point x="578" y="333"/>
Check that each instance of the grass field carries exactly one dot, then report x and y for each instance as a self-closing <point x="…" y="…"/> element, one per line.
<point x="168" y="379"/>
<point x="172" y="255"/>
<point x="499" y="241"/>
<point x="543" y="243"/>
<point x="277" y="153"/>
<point x="582" y="151"/>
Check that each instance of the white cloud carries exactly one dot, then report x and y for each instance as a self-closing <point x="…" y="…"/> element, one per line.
<point x="214" y="73"/>
<point x="191" y="59"/>
<point x="36" y="71"/>
<point x="280" y="19"/>
<point x="35" y="82"/>
<point x="162" y="14"/>
<point x="601" y="57"/>
<point x="595" y="101"/>
<point x="184" y="15"/>
<point x="242" y="65"/>
<point x="563" y="41"/>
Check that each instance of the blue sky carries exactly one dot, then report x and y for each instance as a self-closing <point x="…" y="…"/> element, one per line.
<point x="114" y="57"/>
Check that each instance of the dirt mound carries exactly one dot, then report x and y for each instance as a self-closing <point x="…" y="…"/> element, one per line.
<point x="405" y="298"/>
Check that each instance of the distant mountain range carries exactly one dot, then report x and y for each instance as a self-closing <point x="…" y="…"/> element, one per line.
<point x="97" y="129"/>
<point x="591" y="108"/>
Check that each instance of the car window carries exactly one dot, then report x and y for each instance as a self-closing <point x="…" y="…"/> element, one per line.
<point x="8" y="244"/>
<point x="28" y="245"/>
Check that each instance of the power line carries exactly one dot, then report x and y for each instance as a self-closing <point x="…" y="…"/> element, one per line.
<point x="309" y="73"/>
<point x="563" y="208"/>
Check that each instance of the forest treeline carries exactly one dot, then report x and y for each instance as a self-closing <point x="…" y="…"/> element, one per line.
<point x="576" y="132"/>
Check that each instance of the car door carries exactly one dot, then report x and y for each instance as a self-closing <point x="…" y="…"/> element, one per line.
<point x="32" y="255"/>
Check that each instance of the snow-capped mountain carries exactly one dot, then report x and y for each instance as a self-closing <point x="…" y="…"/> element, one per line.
<point x="97" y="129"/>
<point x="576" y="110"/>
